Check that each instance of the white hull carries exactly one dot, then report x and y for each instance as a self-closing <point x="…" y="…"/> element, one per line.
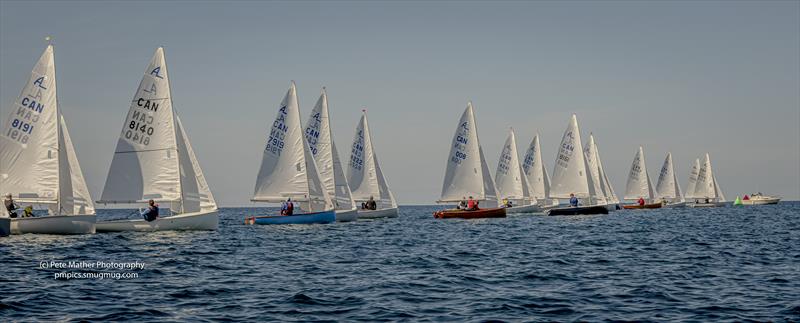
<point x="710" y="204"/>
<point x="761" y="201"/>
<point x="377" y="214"/>
<point x="5" y="227"/>
<point x="674" y="205"/>
<point x="553" y="204"/>
<point x="208" y="220"/>
<point x="55" y="224"/>
<point x="523" y="209"/>
<point x="346" y="215"/>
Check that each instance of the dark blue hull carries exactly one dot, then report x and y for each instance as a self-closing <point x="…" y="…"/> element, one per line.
<point x="5" y="227"/>
<point x="578" y="210"/>
<point x="305" y="218"/>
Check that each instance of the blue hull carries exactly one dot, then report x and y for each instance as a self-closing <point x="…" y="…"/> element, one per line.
<point x="306" y="218"/>
<point x="5" y="227"/>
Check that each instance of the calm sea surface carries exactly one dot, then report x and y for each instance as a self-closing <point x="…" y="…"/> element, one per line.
<point x="724" y="264"/>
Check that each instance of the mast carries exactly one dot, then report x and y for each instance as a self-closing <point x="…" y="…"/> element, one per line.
<point x="174" y="130"/>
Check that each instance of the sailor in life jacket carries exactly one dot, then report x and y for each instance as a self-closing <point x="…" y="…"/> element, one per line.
<point x="151" y="213"/>
<point x="287" y="208"/>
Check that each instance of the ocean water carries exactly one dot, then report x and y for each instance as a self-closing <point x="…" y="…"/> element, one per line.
<point x="722" y="264"/>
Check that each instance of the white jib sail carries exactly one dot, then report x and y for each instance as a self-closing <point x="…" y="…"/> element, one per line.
<point x="569" y="176"/>
<point x="146" y="163"/>
<point x="667" y="187"/>
<point x="608" y="190"/>
<point x="706" y="186"/>
<point x="639" y="184"/>
<point x="535" y="172"/>
<point x="74" y="197"/>
<point x="319" y="137"/>
<point x="592" y="163"/>
<point x="288" y="168"/>
<point x="718" y="190"/>
<point x="509" y="178"/>
<point x="29" y="141"/>
<point x="197" y="194"/>
<point x="364" y="172"/>
<point x="693" y="174"/>
<point x="464" y="175"/>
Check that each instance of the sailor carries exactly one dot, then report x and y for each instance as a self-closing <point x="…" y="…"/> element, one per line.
<point x="151" y="213"/>
<point x="472" y="205"/>
<point x="463" y="204"/>
<point x="287" y="208"/>
<point x="11" y="207"/>
<point x="573" y="201"/>
<point x="640" y="201"/>
<point x="371" y="205"/>
<point x="28" y="212"/>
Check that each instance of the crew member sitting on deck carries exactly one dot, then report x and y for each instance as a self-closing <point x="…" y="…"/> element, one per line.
<point x="151" y="213"/>
<point x="371" y="205"/>
<point x="463" y="204"/>
<point x="11" y="207"/>
<point x="472" y="205"/>
<point x="287" y="208"/>
<point x="28" y="212"/>
<point x="640" y="201"/>
<point x="573" y="201"/>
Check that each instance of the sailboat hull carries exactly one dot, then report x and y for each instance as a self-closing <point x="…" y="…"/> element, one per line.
<point x="346" y="215"/>
<point x="674" y="205"/>
<point x="645" y="206"/>
<point x="477" y="214"/>
<point x="710" y="204"/>
<point x="525" y="209"/>
<point x="324" y="217"/>
<point x="5" y="227"/>
<point x="377" y="214"/>
<point x="578" y="210"/>
<point x="761" y="201"/>
<point x="182" y="222"/>
<point x="55" y="224"/>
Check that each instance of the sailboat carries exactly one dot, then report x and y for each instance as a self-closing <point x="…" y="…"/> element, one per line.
<point x="639" y="184"/>
<point x="319" y="138"/>
<point x="512" y="186"/>
<point x="365" y="176"/>
<point x="668" y="190"/>
<point x="692" y="184"/>
<point x="467" y="174"/>
<point x="288" y="171"/>
<point x="38" y="166"/>
<point x="595" y="175"/>
<point x="571" y="176"/>
<point x="707" y="192"/>
<point x="536" y="176"/>
<point x="155" y="161"/>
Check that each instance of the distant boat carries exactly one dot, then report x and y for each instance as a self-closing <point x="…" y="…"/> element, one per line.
<point x="288" y="170"/>
<point x="639" y="184"/>
<point x="365" y="176"/>
<point x="707" y="192"/>
<point x="595" y="175"/>
<point x="692" y="184"/>
<point x="319" y="137"/>
<point x="759" y="199"/>
<point x="154" y="160"/>
<point x="510" y="180"/>
<point x="572" y="175"/>
<point x="536" y="176"/>
<point x="38" y="166"/>
<point x="467" y="174"/>
<point x="668" y="190"/>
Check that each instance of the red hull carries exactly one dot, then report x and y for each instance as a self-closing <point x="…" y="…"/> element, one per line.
<point x="646" y="206"/>
<point x="477" y="214"/>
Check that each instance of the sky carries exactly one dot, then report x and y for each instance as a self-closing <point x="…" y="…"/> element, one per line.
<point x="686" y="77"/>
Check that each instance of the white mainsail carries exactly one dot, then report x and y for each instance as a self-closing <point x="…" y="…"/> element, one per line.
<point x="570" y="174"/>
<point x="535" y="172"/>
<point x="288" y="169"/>
<point x="693" y="173"/>
<point x="509" y="178"/>
<point x="668" y="186"/>
<point x="364" y="171"/>
<point x="707" y="186"/>
<point x="319" y="138"/>
<point x="593" y="164"/>
<point x="153" y="158"/>
<point x="639" y="183"/>
<point x="37" y="160"/>
<point x="467" y="173"/>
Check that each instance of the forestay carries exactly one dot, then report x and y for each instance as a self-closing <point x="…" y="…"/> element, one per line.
<point x="287" y="168"/>
<point x="639" y="184"/>
<point x="467" y="173"/>
<point x="319" y="138"/>
<point x="153" y="158"/>
<point x="569" y="176"/>
<point x="510" y="180"/>
<point x="37" y="160"/>
<point x="364" y="173"/>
